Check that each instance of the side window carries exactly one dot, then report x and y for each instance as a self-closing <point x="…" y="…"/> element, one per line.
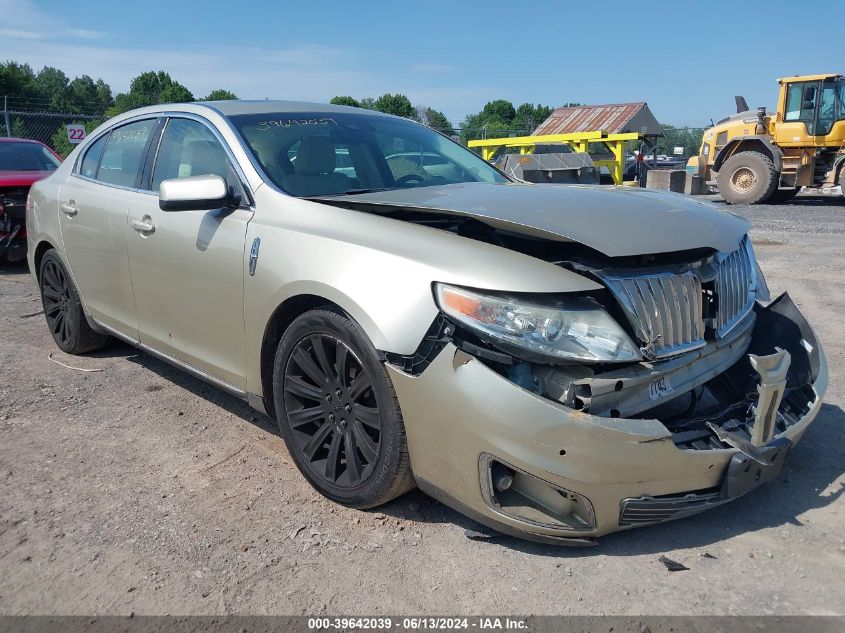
<point x="794" y="95"/>
<point x="801" y="104"/>
<point x="189" y="148"/>
<point x="124" y="153"/>
<point x="827" y="109"/>
<point x="91" y="160"/>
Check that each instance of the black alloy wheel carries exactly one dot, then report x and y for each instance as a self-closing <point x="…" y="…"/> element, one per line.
<point x="55" y="293"/>
<point x="332" y="410"/>
<point x="338" y="413"/>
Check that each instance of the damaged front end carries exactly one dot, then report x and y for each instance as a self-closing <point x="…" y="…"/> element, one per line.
<point x="722" y="388"/>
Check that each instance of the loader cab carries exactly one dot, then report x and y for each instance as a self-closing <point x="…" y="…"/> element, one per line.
<point x="811" y="111"/>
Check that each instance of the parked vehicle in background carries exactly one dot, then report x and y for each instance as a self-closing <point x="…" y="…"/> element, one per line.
<point x="557" y="362"/>
<point x="22" y="162"/>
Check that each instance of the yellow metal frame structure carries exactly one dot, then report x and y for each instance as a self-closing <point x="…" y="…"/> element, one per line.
<point x="578" y="141"/>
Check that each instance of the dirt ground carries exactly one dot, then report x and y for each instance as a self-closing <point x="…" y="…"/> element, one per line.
<point x="137" y="488"/>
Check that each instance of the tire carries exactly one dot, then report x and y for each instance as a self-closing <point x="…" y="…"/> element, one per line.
<point x="63" y="309"/>
<point x="338" y="413"/>
<point x="842" y="181"/>
<point x="783" y="195"/>
<point x="747" y="178"/>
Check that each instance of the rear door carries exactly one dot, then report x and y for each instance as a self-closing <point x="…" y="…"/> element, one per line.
<point x="188" y="266"/>
<point x="94" y="204"/>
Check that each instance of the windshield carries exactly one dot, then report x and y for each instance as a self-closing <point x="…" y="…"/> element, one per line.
<point x="26" y="157"/>
<point x="331" y="153"/>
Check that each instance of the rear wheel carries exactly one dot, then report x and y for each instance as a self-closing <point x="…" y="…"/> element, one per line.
<point x="63" y="309"/>
<point x="747" y="178"/>
<point x="783" y="195"/>
<point x="338" y="413"/>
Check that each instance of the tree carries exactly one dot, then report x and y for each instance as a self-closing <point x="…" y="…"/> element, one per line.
<point x="528" y="116"/>
<point x="16" y="80"/>
<point x="18" y="128"/>
<point x="52" y="86"/>
<point x="368" y="103"/>
<point x="220" y="95"/>
<point x="434" y="119"/>
<point x="87" y="96"/>
<point x="500" y="111"/>
<point x="104" y="96"/>
<point x="175" y="93"/>
<point x="150" y="88"/>
<point x="494" y="121"/>
<point x="345" y="101"/>
<point x="397" y="104"/>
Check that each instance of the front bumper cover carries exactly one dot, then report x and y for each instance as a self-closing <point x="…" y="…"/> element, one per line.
<point x="459" y="410"/>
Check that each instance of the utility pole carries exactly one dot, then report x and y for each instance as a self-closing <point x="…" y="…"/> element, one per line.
<point x="6" y="115"/>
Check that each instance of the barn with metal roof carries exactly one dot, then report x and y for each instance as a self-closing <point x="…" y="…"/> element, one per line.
<point x="609" y="118"/>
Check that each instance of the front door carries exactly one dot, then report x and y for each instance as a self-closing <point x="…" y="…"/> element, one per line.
<point x="187" y="267"/>
<point x="94" y="205"/>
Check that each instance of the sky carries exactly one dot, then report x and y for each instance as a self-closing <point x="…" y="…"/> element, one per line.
<point x="686" y="59"/>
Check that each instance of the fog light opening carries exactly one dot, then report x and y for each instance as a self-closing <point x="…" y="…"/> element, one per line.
<point x="502" y="477"/>
<point x="524" y="497"/>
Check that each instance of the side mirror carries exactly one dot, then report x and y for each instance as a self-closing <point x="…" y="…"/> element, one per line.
<point x="196" y="193"/>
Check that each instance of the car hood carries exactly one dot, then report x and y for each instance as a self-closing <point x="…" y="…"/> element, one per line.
<point x="616" y="221"/>
<point x="21" y="178"/>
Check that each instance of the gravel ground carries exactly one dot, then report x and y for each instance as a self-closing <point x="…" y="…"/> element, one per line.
<point x="136" y="488"/>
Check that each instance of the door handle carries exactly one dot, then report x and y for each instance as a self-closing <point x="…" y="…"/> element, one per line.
<point x="70" y="208"/>
<point x="142" y="226"/>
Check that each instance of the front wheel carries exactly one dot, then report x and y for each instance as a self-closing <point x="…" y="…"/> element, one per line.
<point x="338" y="413"/>
<point x="747" y="178"/>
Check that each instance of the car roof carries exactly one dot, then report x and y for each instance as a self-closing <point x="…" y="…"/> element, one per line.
<point x="4" y="139"/>
<point x="234" y="108"/>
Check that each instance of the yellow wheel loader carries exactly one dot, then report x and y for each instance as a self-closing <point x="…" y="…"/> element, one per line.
<point x="759" y="157"/>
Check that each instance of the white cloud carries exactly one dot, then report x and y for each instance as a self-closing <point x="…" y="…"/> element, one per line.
<point x="23" y="20"/>
<point x="431" y="68"/>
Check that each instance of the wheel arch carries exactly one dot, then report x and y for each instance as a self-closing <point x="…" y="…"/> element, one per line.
<point x="280" y="319"/>
<point x="759" y="144"/>
<point x="40" y="250"/>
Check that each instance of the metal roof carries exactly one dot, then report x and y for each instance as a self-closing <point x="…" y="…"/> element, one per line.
<point x="609" y="118"/>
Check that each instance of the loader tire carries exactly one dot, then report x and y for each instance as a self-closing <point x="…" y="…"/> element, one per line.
<point x="747" y="178"/>
<point x="842" y="181"/>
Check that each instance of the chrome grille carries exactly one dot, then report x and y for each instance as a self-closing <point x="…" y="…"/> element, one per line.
<point x="665" y="310"/>
<point x="736" y="279"/>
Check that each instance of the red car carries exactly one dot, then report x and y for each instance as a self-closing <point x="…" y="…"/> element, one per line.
<point x="22" y="162"/>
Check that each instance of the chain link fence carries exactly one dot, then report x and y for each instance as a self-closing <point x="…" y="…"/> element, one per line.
<point x="33" y="119"/>
<point x="41" y="120"/>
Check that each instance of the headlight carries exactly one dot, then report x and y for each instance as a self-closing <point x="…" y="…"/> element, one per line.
<point x="576" y="328"/>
